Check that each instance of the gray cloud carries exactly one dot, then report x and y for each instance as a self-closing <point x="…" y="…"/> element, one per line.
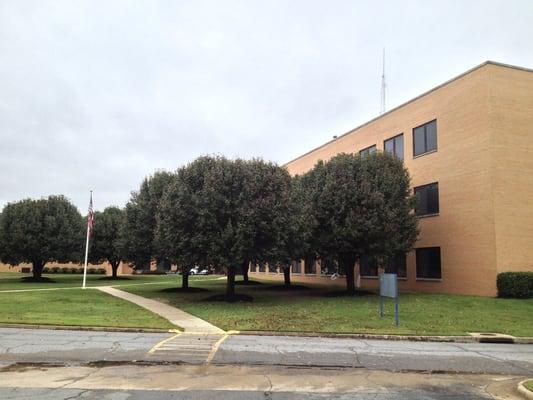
<point x="97" y="94"/>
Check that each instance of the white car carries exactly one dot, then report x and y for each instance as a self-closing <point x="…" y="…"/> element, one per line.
<point x="198" y="271"/>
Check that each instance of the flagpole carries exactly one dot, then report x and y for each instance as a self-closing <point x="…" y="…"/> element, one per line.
<point x="87" y="249"/>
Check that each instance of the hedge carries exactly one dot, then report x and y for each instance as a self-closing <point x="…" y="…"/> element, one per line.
<point x="518" y="285"/>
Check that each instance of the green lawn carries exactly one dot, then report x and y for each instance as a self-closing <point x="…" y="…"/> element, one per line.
<point x="312" y="311"/>
<point x="12" y="280"/>
<point x="529" y="385"/>
<point x="75" y="307"/>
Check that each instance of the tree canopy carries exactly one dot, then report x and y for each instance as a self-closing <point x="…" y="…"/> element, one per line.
<point x="224" y="213"/>
<point x="362" y="206"/>
<point x="105" y="241"/>
<point x="40" y="231"/>
<point x="138" y="243"/>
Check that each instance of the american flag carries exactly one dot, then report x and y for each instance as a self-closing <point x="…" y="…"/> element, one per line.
<point x="90" y="216"/>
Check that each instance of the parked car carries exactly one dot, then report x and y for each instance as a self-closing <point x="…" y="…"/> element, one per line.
<point x="198" y="271"/>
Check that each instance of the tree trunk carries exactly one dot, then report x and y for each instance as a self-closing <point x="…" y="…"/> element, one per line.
<point x="114" y="268"/>
<point x="287" y="275"/>
<point x="245" y="269"/>
<point x="230" y="285"/>
<point x="348" y="261"/>
<point x="185" y="279"/>
<point x="37" y="269"/>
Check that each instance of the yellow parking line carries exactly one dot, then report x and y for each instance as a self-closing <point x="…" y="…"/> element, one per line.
<point x="215" y="349"/>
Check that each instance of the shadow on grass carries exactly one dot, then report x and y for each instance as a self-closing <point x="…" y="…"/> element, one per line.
<point x="249" y="283"/>
<point x="42" y="279"/>
<point x="344" y="293"/>
<point x="232" y="299"/>
<point x="184" y="290"/>
<point x="283" y="288"/>
<point x="118" y="278"/>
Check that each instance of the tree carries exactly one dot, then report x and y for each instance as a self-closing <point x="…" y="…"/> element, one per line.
<point x="363" y="206"/>
<point x="40" y="231"/>
<point x="220" y="212"/>
<point x="105" y="242"/>
<point x="137" y="236"/>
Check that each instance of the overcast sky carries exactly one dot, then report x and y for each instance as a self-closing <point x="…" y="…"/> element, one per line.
<point x="98" y="94"/>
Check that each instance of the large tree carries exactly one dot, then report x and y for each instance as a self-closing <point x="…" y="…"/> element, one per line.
<point x="363" y="206"/>
<point x="138" y="243"/>
<point x="220" y="212"/>
<point x="41" y="231"/>
<point x="105" y="242"/>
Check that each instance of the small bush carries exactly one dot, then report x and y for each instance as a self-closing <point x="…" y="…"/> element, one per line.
<point x="79" y="270"/>
<point x="73" y="270"/>
<point x="155" y="272"/>
<point x="46" y="270"/>
<point x="517" y="285"/>
<point x="64" y="270"/>
<point x="91" y="270"/>
<point x="101" y="271"/>
<point x="54" y="270"/>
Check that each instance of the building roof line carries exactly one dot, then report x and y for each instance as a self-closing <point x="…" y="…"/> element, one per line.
<point x="488" y="62"/>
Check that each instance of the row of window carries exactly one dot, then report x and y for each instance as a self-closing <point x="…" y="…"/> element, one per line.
<point x="424" y="141"/>
<point x="428" y="265"/>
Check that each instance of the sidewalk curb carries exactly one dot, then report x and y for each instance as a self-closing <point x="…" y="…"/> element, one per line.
<point x="368" y="336"/>
<point x="526" y="394"/>
<point x="86" y="328"/>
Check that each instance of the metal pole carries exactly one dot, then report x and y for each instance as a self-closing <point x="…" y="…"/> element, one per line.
<point x="396" y="312"/>
<point x="86" y="256"/>
<point x="381" y="306"/>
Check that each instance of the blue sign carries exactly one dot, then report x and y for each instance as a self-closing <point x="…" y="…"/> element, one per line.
<point x="388" y="287"/>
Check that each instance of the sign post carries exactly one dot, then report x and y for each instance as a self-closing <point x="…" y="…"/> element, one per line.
<point x="388" y="287"/>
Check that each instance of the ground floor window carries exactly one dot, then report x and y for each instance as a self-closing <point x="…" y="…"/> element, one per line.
<point x="261" y="267"/>
<point x="253" y="267"/>
<point x="368" y="266"/>
<point x="272" y="268"/>
<point x="310" y="266"/>
<point x="397" y="265"/>
<point x="296" y="267"/>
<point x="428" y="263"/>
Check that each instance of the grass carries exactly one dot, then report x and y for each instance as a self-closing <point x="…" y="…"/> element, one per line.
<point x="14" y="281"/>
<point x="314" y="310"/>
<point x="529" y="385"/>
<point x="75" y="307"/>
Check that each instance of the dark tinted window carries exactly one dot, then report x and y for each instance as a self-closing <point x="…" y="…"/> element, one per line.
<point x="253" y="267"/>
<point x="368" y="150"/>
<point x="428" y="263"/>
<point x="394" y="146"/>
<point x="272" y="268"/>
<point x="427" y="199"/>
<point x="296" y="267"/>
<point x="310" y="266"/>
<point x="425" y="138"/>
<point x="369" y="266"/>
<point x="261" y="267"/>
<point x="397" y="265"/>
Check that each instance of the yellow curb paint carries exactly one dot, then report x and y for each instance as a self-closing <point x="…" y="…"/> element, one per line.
<point x="215" y="349"/>
<point x="161" y="343"/>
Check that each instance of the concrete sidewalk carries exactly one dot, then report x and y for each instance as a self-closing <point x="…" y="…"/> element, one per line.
<point x="189" y="323"/>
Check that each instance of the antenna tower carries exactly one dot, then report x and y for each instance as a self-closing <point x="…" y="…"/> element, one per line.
<point x="383" y="86"/>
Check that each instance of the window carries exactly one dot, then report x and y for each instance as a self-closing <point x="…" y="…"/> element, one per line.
<point x="261" y="267"/>
<point x="428" y="263"/>
<point x="427" y="199"/>
<point x="368" y="266"/>
<point x="425" y="138"/>
<point x="272" y="268"/>
<point x="296" y="267"/>
<point x="397" y="265"/>
<point x="368" y="150"/>
<point x="310" y="266"/>
<point x="253" y="267"/>
<point x="394" y="146"/>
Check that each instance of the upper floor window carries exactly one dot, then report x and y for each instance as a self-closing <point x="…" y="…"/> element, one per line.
<point x="368" y="150"/>
<point x="394" y="146"/>
<point x="428" y="263"/>
<point x="425" y="138"/>
<point x="427" y="199"/>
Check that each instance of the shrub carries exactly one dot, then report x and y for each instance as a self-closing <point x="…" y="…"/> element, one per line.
<point x="54" y="270"/>
<point x="101" y="271"/>
<point x="155" y="272"/>
<point x="64" y="270"/>
<point x="91" y="271"/>
<point x="518" y="285"/>
<point x="46" y="270"/>
<point x="73" y="270"/>
<point x="79" y="271"/>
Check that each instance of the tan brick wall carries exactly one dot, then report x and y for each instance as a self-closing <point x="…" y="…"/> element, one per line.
<point x="482" y="117"/>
